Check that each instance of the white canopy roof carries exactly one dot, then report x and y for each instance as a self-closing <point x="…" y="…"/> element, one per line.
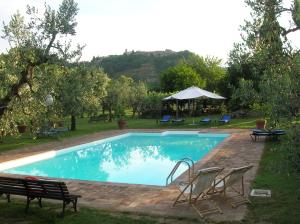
<point x="193" y="93"/>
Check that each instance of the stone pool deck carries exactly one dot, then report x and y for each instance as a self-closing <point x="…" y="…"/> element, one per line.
<point x="237" y="150"/>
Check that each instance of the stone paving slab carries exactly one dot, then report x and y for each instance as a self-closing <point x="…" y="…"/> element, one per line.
<point x="237" y="150"/>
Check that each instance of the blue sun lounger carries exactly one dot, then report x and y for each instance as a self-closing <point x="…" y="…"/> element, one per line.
<point x="165" y="119"/>
<point x="205" y="120"/>
<point x="178" y="121"/>
<point x="256" y="133"/>
<point x="225" y="119"/>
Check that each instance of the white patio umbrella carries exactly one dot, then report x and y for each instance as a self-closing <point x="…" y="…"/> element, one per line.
<point x="192" y="93"/>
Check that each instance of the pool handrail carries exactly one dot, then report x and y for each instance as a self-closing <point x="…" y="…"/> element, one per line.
<point x="189" y="162"/>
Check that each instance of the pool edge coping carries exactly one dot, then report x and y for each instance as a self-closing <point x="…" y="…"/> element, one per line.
<point x="199" y="163"/>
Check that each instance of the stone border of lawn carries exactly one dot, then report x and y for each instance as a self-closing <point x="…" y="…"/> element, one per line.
<point x="236" y="150"/>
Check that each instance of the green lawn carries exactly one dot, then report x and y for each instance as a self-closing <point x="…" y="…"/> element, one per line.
<point x="84" y="128"/>
<point x="14" y="213"/>
<point x="274" y="174"/>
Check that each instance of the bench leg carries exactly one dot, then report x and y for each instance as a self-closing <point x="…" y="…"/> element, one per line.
<point x="64" y="206"/>
<point x="75" y="205"/>
<point x="27" y="204"/>
<point x="40" y="202"/>
<point x="29" y="199"/>
<point x="74" y="202"/>
<point x="8" y="197"/>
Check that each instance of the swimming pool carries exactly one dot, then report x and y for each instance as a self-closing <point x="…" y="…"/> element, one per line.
<point x="134" y="158"/>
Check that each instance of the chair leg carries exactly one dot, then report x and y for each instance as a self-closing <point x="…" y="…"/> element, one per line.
<point x="243" y="189"/>
<point x="177" y="199"/>
<point x="203" y="212"/>
<point x="240" y="194"/>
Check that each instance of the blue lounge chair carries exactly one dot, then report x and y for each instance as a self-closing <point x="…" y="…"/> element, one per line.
<point x="225" y="119"/>
<point x="205" y="120"/>
<point x="178" y="121"/>
<point x="165" y="119"/>
<point x="47" y="133"/>
<point x="256" y="133"/>
<point x="276" y="133"/>
<point x="60" y="129"/>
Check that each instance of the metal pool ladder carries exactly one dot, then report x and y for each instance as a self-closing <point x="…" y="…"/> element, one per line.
<point x="188" y="162"/>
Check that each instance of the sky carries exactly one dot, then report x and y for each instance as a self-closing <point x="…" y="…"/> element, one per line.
<point x="108" y="27"/>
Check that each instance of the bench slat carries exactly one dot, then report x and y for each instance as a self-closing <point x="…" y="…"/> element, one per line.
<point x="36" y="188"/>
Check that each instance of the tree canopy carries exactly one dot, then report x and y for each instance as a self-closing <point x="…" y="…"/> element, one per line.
<point x="29" y="70"/>
<point x="193" y="71"/>
<point x="266" y="57"/>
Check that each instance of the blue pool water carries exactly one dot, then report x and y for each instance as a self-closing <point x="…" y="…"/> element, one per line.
<point x="134" y="158"/>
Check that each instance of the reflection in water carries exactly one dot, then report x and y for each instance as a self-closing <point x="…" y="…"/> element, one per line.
<point x="133" y="159"/>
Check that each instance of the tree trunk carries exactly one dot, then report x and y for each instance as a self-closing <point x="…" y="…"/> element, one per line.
<point x="26" y="76"/>
<point x="73" y="123"/>
<point x="109" y="115"/>
<point x="14" y="90"/>
<point x="133" y="112"/>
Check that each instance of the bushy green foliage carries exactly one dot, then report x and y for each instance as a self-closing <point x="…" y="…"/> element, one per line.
<point x="296" y="13"/>
<point x="194" y="71"/>
<point x="292" y="146"/>
<point x="240" y="66"/>
<point x="152" y="104"/>
<point x="209" y="69"/>
<point x="123" y="93"/>
<point x="244" y="96"/>
<point x="180" y="77"/>
<point x="80" y="90"/>
<point x="137" y="96"/>
<point x="223" y="109"/>
<point x="33" y="64"/>
<point x="266" y="58"/>
<point x="28" y="106"/>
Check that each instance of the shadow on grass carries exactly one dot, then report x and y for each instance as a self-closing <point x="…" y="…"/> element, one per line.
<point x="14" y="212"/>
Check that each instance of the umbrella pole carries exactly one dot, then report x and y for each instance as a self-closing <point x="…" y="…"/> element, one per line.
<point x="193" y="110"/>
<point x="176" y="109"/>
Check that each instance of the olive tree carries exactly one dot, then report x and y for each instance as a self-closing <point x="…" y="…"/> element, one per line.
<point x="138" y="92"/>
<point x="268" y="57"/>
<point x="118" y="95"/>
<point x="27" y="74"/>
<point x="81" y="90"/>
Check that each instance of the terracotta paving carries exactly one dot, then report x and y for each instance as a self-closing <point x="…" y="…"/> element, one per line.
<point x="237" y="150"/>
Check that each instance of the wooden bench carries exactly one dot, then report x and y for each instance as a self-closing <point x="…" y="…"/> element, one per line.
<point x="37" y="189"/>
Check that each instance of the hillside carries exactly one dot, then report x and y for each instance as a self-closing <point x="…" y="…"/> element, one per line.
<point x="140" y="65"/>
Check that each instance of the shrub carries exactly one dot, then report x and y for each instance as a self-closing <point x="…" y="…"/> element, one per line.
<point x="152" y="105"/>
<point x="292" y="147"/>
